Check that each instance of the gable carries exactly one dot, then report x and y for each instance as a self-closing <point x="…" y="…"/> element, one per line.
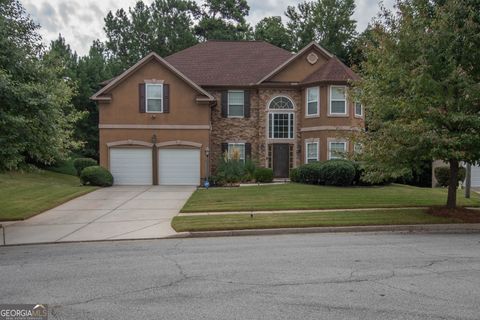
<point x="152" y="67"/>
<point x="300" y="68"/>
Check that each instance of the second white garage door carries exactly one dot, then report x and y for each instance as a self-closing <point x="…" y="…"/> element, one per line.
<point x="475" y="176"/>
<point x="179" y="166"/>
<point x="131" y="166"/>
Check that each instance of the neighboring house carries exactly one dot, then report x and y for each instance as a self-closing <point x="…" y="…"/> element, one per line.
<point x="167" y="121"/>
<point x="474" y="178"/>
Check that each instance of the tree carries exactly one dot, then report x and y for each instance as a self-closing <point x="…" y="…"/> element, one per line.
<point x="328" y="22"/>
<point x="36" y="116"/>
<point x="92" y="69"/>
<point x="165" y="27"/>
<point x="272" y="30"/>
<point x="420" y="83"/>
<point x="224" y="20"/>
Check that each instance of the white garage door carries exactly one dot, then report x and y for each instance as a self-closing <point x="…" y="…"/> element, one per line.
<point x="179" y="166"/>
<point x="475" y="176"/>
<point x="131" y="166"/>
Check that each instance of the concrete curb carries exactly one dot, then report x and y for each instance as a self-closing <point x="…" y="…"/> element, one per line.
<point x="422" y="228"/>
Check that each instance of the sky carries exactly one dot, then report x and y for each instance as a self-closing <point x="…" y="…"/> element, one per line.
<point x="81" y="21"/>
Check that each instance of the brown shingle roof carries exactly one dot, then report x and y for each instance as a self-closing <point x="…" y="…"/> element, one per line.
<point x="232" y="63"/>
<point x="332" y="71"/>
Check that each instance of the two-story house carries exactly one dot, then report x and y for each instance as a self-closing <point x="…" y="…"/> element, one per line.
<point x="168" y="120"/>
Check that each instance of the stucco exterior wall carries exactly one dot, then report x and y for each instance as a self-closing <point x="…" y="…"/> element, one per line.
<point x="114" y="135"/>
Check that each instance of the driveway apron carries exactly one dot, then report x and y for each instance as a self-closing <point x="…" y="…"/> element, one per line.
<point x="120" y="212"/>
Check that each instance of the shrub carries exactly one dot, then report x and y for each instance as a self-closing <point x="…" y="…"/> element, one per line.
<point x="82" y="163"/>
<point x="96" y="176"/>
<point x="264" y="175"/>
<point x="295" y="175"/>
<point x="310" y="173"/>
<point x="230" y="171"/>
<point x="338" y="172"/>
<point x="442" y="174"/>
<point x="249" y="168"/>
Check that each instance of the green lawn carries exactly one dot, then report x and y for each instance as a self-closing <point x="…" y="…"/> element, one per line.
<point x="25" y="194"/>
<point x="311" y="219"/>
<point x="300" y="196"/>
<point x="65" y="167"/>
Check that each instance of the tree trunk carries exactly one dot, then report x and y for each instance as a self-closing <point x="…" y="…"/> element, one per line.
<point x="452" y="185"/>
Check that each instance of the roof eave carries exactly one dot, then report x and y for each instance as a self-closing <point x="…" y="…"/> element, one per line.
<point x="110" y="85"/>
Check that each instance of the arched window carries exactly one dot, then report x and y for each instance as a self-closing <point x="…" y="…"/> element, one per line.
<point x="281" y="118"/>
<point x="281" y="103"/>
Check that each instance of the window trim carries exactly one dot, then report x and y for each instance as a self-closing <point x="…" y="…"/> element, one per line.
<point x="311" y="115"/>
<point x="147" y="98"/>
<point x="228" y="103"/>
<point x="306" y="150"/>
<point x="337" y="114"/>
<point x="291" y="131"/>
<point x="358" y="115"/>
<point x="345" y="143"/>
<point x="235" y="144"/>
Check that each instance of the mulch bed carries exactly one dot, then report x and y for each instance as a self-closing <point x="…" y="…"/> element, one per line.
<point x="466" y="215"/>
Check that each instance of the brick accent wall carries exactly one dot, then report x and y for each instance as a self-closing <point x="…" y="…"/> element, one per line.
<point x="233" y="129"/>
<point x="254" y="130"/>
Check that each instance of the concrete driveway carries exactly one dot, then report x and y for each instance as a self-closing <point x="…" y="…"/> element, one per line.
<point x="123" y="212"/>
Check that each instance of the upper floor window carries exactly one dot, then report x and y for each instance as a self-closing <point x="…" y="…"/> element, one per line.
<point x="236" y="103"/>
<point x="311" y="152"/>
<point x="313" y="98"/>
<point x="154" y="97"/>
<point x="236" y="151"/>
<point x="338" y="100"/>
<point x="337" y="149"/>
<point x="358" y="109"/>
<point x="280" y="119"/>
<point x="280" y="103"/>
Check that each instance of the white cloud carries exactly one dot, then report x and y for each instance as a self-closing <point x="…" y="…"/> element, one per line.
<point x="81" y="21"/>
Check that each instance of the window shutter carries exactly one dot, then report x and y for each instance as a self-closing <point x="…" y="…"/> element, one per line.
<point x="224" y="104"/>
<point x="224" y="148"/>
<point x="166" y="98"/>
<point x="246" y="101"/>
<point x="141" y="98"/>
<point x="248" y="151"/>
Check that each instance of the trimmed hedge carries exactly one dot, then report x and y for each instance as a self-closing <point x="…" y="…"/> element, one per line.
<point x="82" y="163"/>
<point x="332" y="172"/>
<point x="442" y="174"/>
<point x="338" y="173"/>
<point x="263" y="175"/>
<point x="96" y="176"/>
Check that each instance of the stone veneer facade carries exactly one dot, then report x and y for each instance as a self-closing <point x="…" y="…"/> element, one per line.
<point x="254" y="130"/>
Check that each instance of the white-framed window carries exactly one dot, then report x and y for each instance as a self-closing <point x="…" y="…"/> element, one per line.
<point x="236" y="147"/>
<point x="358" y="109"/>
<point x="311" y="151"/>
<point x="337" y="149"/>
<point x="154" y="97"/>
<point x="236" y="103"/>
<point x="281" y="122"/>
<point x="280" y="125"/>
<point x="313" y="101"/>
<point x="338" y="100"/>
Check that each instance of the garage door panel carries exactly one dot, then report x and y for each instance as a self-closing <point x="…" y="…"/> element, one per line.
<point x="179" y="166"/>
<point x="131" y="166"/>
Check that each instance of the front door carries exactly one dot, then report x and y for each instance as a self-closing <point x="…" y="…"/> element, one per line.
<point x="281" y="160"/>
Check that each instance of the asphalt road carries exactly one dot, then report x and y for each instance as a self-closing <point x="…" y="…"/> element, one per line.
<point x="318" y="276"/>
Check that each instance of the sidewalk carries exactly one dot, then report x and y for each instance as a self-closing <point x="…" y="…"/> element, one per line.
<point x="294" y="211"/>
<point x="302" y="211"/>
